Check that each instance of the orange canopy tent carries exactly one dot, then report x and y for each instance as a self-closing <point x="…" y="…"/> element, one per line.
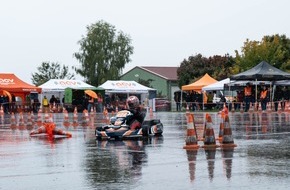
<point x="197" y="85"/>
<point x="10" y="83"/>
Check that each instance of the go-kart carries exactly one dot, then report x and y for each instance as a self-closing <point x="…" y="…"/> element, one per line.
<point x="118" y="129"/>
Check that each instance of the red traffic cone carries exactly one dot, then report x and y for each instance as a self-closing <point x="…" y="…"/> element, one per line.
<point x="209" y="139"/>
<point x="191" y="139"/>
<point x="228" y="140"/>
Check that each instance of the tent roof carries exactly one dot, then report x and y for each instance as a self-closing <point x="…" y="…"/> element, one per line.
<point x="11" y="83"/>
<point x="62" y="84"/>
<point x="197" y="85"/>
<point x="121" y="86"/>
<point x="262" y="71"/>
<point x="217" y="85"/>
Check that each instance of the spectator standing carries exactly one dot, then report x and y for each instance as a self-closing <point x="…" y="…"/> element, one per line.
<point x="45" y="104"/>
<point x="284" y="97"/>
<point x="100" y="102"/>
<point x="248" y="96"/>
<point x="177" y="101"/>
<point x="91" y="104"/>
<point x="264" y="98"/>
<point x="277" y="97"/>
<point x="210" y="100"/>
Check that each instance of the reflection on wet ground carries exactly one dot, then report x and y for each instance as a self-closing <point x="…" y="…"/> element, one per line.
<point x="260" y="160"/>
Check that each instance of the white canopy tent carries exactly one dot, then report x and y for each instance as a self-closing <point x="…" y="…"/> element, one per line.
<point x="129" y="87"/>
<point x="217" y="85"/>
<point x="121" y="86"/>
<point x="57" y="87"/>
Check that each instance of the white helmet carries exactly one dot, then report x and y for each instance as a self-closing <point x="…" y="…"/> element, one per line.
<point x="133" y="102"/>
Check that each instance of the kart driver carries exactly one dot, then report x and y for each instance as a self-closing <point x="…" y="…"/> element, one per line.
<point x="136" y="120"/>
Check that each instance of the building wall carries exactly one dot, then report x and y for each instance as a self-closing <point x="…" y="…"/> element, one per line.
<point x="160" y="84"/>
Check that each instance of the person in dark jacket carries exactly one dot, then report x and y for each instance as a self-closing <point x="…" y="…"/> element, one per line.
<point x="136" y="120"/>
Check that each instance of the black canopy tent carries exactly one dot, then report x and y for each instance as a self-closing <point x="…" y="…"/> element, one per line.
<point x="262" y="72"/>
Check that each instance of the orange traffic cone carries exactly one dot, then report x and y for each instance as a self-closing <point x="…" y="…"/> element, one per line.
<point x="187" y="109"/>
<point x="227" y="140"/>
<point x="106" y="116"/>
<point x="66" y="122"/>
<point x="75" y="118"/>
<point x="241" y="108"/>
<point x="264" y="123"/>
<point x="279" y="107"/>
<point x="46" y="118"/>
<point x="150" y="112"/>
<point x="222" y="125"/>
<point x="85" y="118"/>
<point x="21" y="125"/>
<point x="2" y="114"/>
<point x="251" y="109"/>
<point x="39" y="118"/>
<point x="269" y="109"/>
<point x="30" y="123"/>
<point x="233" y="107"/>
<point x="209" y="139"/>
<point x="54" y="109"/>
<point x="191" y="139"/>
<point x="259" y="106"/>
<point x="50" y="117"/>
<point x="287" y="106"/>
<point x="13" y="122"/>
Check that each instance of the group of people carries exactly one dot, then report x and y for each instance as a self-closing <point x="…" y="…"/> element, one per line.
<point x="7" y="104"/>
<point x="94" y="103"/>
<point x="247" y="97"/>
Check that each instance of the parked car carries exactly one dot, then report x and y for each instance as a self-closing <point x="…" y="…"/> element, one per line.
<point x="162" y="104"/>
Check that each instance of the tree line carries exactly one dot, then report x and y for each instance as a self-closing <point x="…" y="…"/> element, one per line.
<point x="104" y="52"/>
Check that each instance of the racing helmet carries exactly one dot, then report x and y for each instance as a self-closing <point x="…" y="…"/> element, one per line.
<point x="133" y="102"/>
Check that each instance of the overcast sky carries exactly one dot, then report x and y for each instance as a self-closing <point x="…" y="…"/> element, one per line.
<point x="163" y="32"/>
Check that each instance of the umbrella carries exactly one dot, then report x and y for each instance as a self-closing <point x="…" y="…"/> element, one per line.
<point x="6" y="93"/>
<point x="91" y="93"/>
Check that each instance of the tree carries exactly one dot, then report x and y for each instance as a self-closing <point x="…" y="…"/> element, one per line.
<point x="274" y="49"/>
<point x="49" y="71"/>
<point x="103" y="53"/>
<point x="219" y="67"/>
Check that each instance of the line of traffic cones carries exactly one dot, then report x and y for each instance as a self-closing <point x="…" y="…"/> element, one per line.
<point x="225" y="135"/>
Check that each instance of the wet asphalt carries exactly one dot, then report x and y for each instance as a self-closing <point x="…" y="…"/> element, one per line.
<point x="260" y="160"/>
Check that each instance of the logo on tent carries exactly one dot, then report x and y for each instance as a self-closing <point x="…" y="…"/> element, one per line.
<point x="125" y="84"/>
<point x="6" y="81"/>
